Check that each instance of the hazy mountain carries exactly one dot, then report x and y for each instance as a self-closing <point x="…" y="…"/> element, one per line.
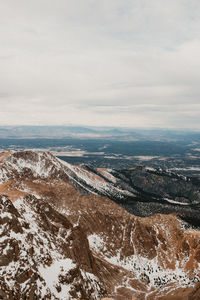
<point x="98" y="132"/>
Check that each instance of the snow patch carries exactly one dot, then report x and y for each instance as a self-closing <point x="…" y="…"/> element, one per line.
<point x="51" y="276"/>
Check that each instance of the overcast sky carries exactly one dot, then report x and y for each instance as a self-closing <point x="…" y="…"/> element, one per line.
<point x="133" y="63"/>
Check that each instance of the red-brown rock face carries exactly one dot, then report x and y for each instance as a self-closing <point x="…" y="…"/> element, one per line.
<point x="60" y="240"/>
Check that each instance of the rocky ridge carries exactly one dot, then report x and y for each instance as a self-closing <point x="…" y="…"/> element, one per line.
<point x="64" y="235"/>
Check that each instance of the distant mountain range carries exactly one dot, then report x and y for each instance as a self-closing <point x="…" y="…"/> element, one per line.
<point x="96" y="132"/>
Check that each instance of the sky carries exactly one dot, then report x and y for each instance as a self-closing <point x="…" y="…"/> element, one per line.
<point x="129" y="63"/>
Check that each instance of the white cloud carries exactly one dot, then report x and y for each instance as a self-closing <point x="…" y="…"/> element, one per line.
<point x="114" y="62"/>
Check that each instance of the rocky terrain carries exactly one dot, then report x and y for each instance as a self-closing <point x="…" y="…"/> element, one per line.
<point x="75" y="232"/>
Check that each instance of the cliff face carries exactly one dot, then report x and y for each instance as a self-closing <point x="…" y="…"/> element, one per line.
<point x="63" y="234"/>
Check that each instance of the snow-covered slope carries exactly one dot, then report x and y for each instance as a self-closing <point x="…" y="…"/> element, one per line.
<point x="39" y="254"/>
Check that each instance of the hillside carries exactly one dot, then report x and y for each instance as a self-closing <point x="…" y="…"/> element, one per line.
<point x="75" y="232"/>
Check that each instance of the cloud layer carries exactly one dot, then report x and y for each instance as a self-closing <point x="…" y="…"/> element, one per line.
<point x="132" y="63"/>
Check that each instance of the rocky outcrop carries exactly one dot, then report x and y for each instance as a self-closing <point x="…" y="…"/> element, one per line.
<point x="36" y="240"/>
